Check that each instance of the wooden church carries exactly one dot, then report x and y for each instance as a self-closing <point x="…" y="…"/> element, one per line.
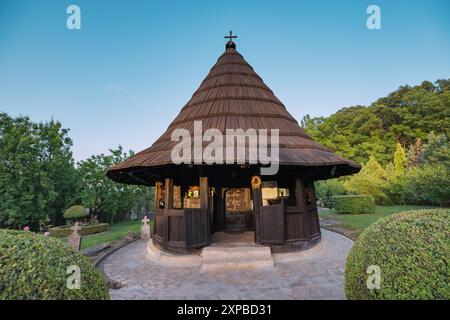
<point x="193" y="201"/>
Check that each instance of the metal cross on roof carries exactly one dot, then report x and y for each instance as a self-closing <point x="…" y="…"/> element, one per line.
<point x="231" y="37"/>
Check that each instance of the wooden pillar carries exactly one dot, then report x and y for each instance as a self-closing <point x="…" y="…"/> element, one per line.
<point x="257" y="204"/>
<point x="155" y="207"/>
<point x="167" y="206"/>
<point x="204" y="198"/>
<point x="204" y="193"/>
<point x="301" y="202"/>
<point x="168" y="198"/>
<point x="219" y="218"/>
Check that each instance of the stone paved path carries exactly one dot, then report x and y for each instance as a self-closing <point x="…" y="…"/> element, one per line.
<point x="317" y="273"/>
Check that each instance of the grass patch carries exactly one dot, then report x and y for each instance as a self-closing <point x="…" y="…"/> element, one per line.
<point x="358" y="222"/>
<point x="115" y="232"/>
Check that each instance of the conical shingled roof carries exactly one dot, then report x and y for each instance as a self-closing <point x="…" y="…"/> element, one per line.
<point x="233" y="96"/>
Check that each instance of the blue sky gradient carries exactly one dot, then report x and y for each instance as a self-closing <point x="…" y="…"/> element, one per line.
<point x="124" y="76"/>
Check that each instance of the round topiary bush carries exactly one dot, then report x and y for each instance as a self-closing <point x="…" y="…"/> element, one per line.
<point x="33" y="266"/>
<point x="76" y="212"/>
<point x="412" y="250"/>
<point x="354" y="204"/>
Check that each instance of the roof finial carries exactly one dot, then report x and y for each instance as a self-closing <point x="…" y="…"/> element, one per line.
<point x="230" y="43"/>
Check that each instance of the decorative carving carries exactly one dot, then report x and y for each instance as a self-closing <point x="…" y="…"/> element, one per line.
<point x="256" y="182"/>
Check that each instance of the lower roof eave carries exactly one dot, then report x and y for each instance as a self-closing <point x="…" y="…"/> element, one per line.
<point x="134" y="175"/>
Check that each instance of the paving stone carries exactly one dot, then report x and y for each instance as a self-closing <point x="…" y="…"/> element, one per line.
<point x="317" y="273"/>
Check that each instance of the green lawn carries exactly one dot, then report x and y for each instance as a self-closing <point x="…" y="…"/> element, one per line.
<point x="115" y="232"/>
<point x="356" y="223"/>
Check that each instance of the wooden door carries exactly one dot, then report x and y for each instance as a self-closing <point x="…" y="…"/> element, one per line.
<point x="271" y="224"/>
<point x="197" y="231"/>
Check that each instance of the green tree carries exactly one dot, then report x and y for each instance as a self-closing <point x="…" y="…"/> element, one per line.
<point x="369" y="181"/>
<point x="334" y="187"/>
<point x="437" y="150"/>
<point x="399" y="160"/>
<point x="109" y="200"/>
<point x="403" y="116"/>
<point x="415" y="153"/>
<point x="38" y="180"/>
<point x="429" y="182"/>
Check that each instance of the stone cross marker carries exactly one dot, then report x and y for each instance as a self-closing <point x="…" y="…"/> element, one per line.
<point x="75" y="238"/>
<point x="145" y="229"/>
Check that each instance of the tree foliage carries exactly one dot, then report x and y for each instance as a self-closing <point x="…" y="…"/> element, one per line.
<point x="426" y="182"/>
<point x="400" y="160"/>
<point x="109" y="200"/>
<point x="405" y="115"/>
<point x="413" y="118"/>
<point x="38" y="180"/>
<point x="76" y="212"/>
<point x="369" y="181"/>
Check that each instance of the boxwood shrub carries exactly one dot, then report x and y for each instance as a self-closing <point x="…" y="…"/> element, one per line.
<point x="65" y="231"/>
<point x="76" y="212"/>
<point x="33" y="266"/>
<point x="412" y="250"/>
<point x="354" y="204"/>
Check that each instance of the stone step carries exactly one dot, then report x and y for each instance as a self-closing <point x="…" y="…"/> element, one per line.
<point x="232" y="257"/>
<point x="234" y="244"/>
<point x="169" y="259"/>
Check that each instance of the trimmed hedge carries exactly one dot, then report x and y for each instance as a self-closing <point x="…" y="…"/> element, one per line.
<point x="76" y="212"/>
<point x="354" y="204"/>
<point x="33" y="267"/>
<point x="411" y="248"/>
<point x="65" y="231"/>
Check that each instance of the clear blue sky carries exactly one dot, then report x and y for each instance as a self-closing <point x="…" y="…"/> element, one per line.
<point x="124" y="76"/>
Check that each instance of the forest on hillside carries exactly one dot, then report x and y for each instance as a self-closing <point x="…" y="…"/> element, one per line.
<point x="401" y="140"/>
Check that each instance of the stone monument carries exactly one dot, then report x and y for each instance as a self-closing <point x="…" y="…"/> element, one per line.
<point x="145" y="229"/>
<point x="75" y="238"/>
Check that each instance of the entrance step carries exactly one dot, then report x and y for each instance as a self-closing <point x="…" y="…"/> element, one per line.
<point x="220" y="257"/>
<point x="234" y="244"/>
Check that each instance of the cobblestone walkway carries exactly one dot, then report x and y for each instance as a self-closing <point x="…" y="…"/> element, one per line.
<point x="317" y="273"/>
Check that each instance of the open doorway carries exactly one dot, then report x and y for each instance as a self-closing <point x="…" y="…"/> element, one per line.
<point x="238" y="210"/>
<point x="237" y="218"/>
